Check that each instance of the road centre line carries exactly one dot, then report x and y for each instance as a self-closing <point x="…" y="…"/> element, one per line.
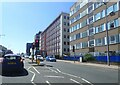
<point x="36" y="70"/>
<point x="75" y="81"/>
<point x="48" y="82"/>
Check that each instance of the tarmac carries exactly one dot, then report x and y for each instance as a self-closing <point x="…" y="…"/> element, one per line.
<point x="92" y="64"/>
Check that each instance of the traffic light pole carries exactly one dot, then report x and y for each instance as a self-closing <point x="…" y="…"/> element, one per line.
<point x="74" y="53"/>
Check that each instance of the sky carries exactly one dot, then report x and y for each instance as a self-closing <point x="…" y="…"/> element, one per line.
<point x="20" y="21"/>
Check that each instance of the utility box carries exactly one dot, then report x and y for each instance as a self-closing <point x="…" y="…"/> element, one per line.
<point x="80" y="59"/>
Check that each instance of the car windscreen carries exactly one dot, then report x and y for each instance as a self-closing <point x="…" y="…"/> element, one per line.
<point x="12" y="57"/>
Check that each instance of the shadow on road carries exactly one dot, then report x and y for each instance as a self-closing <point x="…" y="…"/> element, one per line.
<point x="24" y="72"/>
<point x="32" y="62"/>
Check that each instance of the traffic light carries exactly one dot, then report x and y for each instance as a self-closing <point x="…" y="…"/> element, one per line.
<point x="73" y="48"/>
<point x="36" y="43"/>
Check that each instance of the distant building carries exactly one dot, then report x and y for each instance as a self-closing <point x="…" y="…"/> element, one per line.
<point x="2" y="50"/>
<point x="28" y="47"/>
<point x="55" y="38"/>
<point x="88" y="22"/>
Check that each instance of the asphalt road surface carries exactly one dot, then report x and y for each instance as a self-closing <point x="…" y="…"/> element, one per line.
<point x="53" y="73"/>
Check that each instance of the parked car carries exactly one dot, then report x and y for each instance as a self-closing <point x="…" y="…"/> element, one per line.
<point x="40" y="60"/>
<point x="12" y="62"/>
<point x="51" y="58"/>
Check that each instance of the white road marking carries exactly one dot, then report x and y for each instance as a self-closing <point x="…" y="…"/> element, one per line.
<point x="75" y="81"/>
<point x="28" y="68"/>
<point x="57" y="69"/>
<point x="73" y="76"/>
<point x="52" y="70"/>
<point x="54" y="76"/>
<point x="36" y="70"/>
<point x="48" y="82"/>
<point x="32" y="76"/>
<point x="86" y="81"/>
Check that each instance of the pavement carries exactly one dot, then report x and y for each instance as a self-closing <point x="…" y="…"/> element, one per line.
<point x="91" y="64"/>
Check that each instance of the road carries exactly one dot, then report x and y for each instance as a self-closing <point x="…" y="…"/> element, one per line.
<point x="61" y="73"/>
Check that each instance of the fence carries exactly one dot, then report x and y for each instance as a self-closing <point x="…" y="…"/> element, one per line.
<point x="98" y="58"/>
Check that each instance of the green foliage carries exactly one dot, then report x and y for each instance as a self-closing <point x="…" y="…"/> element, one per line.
<point x="88" y="57"/>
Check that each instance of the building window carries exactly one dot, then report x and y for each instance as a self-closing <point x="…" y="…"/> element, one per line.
<point x="68" y="24"/>
<point x="77" y="17"/>
<point x="65" y="49"/>
<point x="97" y="16"/>
<point x="78" y="36"/>
<point x="64" y="43"/>
<point x="90" y="19"/>
<point x="77" y="7"/>
<point x="113" y="24"/>
<point x="91" y="31"/>
<point x="64" y="36"/>
<point x="68" y="18"/>
<point x="114" y="39"/>
<point x="64" y="17"/>
<point x="110" y="9"/>
<point x="100" y="28"/>
<point x="68" y="49"/>
<point x="84" y="44"/>
<point x="83" y="13"/>
<point x="64" y="30"/>
<point x="68" y="43"/>
<point x="78" y="26"/>
<point x="84" y="34"/>
<point x="91" y="43"/>
<point x="97" y="4"/>
<point x="115" y="7"/>
<point x="78" y="46"/>
<point x="99" y="41"/>
<point x="84" y="23"/>
<point x="68" y="36"/>
<point x="64" y="23"/>
<point x="68" y="30"/>
<point x="90" y="8"/>
<point x="102" y="13"/>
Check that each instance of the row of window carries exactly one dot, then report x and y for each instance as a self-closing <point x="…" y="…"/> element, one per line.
<point x="65" y="36"/>
<point x="80" y="5"/>
<point x="113" y="8"/>
<point x="66" y="17"/>
<point x="66" y="30"/>
<point x="66" y="49"/>
<point x="66" y="24"/>
<point x="66" y="43"/>
<point x="110" y="25"/>
<point x="113" y="39"/>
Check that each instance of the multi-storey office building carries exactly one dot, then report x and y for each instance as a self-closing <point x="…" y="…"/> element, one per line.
<point x="55" y="38"/>
<point x="88" y="24"/>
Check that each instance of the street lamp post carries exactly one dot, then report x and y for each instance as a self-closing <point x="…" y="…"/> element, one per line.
<point x="107" y="37"/>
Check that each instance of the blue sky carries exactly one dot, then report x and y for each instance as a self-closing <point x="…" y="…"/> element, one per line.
<point x="22" y="20"/>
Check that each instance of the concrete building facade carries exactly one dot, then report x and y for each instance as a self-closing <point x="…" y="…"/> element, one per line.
<point x="88" y="23"/>
<point x="55" y="38"/>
